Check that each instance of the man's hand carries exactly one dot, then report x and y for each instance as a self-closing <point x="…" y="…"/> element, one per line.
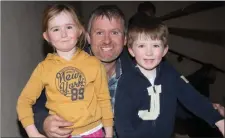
<point x="54" y="126"/>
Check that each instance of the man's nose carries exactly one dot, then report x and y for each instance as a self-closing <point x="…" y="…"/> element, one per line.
<point x="107" y="39"/>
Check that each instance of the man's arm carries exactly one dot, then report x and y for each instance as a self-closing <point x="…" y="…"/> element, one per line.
<point x="40" y="112"/>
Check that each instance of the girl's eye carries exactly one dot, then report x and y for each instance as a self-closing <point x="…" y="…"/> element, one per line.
<point x="55" y="30"/>
<point x="69" y="27"/>
<point x="140" y="46"/>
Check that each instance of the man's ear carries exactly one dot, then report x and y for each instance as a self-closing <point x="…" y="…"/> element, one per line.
<point x="165" y="50"/>
<point x="88" y="38"/>
<point x="45" y="36"/>
<point x="125" y="40"/>
<point x="131" y="51"/>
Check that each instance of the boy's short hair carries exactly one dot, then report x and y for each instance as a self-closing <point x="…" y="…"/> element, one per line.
<point x="151" y="27"/>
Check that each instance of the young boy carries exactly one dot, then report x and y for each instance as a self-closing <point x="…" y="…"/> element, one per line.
<point x="147" y="95"/>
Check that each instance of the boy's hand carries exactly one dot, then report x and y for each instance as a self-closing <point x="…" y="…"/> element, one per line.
<point x="54" y="126"/>
<point x="219" y="108"/>
<point x="220" y="125"/>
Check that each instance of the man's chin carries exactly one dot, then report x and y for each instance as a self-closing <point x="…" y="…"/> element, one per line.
<point x="108" y="60"/>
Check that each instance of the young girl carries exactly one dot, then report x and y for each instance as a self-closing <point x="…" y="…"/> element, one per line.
<point x="76" y="83"/>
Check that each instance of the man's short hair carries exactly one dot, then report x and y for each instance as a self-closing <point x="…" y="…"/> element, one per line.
<point x="109" y="11"/>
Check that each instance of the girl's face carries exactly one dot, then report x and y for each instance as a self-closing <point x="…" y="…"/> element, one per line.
<point x="62" y="32"/>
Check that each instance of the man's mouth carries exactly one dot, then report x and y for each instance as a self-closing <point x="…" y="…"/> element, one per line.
<point x="105" y="49"/>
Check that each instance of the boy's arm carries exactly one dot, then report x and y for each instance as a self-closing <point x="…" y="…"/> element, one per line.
<point x="195" y="102"/>
<point x="103" y="97"/>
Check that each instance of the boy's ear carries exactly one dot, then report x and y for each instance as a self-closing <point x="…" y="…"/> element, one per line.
<point x="88" y="38"/>
<point x="45" y="36"/>
<point x="165" y="50"/>
<point x="131" y="51"/>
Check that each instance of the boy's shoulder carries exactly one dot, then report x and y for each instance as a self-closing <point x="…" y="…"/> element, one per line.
<point x="168" y="68"/>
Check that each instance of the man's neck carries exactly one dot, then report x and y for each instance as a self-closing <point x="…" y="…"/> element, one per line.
<point x="110" y="69"/>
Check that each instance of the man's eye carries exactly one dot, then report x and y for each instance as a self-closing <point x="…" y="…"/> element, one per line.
<point x="115" y="33"/>
<point x="99" y="33"/>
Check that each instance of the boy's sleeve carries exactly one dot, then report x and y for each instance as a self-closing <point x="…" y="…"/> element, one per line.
<point x="28" y="97"/>
<point x="126" y="113"/>
<point x="103" y="96"/>
<point x="195" y="102"/>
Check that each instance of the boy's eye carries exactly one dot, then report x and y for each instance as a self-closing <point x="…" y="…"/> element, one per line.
<point x="155" y="45"/>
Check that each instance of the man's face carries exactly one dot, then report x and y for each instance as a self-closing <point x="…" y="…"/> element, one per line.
<point x="107" y="38"/>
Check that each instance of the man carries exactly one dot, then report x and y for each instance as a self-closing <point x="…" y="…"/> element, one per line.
<point x="106" y="36"/>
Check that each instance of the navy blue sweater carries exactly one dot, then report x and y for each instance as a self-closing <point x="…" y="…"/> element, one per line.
<point x="132" y="96"/>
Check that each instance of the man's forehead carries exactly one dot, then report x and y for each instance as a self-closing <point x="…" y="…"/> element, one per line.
<point x="104" y="18"/>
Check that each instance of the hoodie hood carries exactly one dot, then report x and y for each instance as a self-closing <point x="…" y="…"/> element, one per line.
<point x="53" y="57"/>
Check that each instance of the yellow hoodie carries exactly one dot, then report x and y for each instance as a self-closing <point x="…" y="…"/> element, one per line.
<point x="76" y="90"/>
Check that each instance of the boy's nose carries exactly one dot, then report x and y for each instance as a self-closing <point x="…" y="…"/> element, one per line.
<point x="148" y="52"/>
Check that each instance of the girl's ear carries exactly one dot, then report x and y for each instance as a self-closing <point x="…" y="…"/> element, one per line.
<point x="45" y="36"/>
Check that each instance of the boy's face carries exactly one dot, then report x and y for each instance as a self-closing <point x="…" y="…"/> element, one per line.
<point x="147" y="52"/>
